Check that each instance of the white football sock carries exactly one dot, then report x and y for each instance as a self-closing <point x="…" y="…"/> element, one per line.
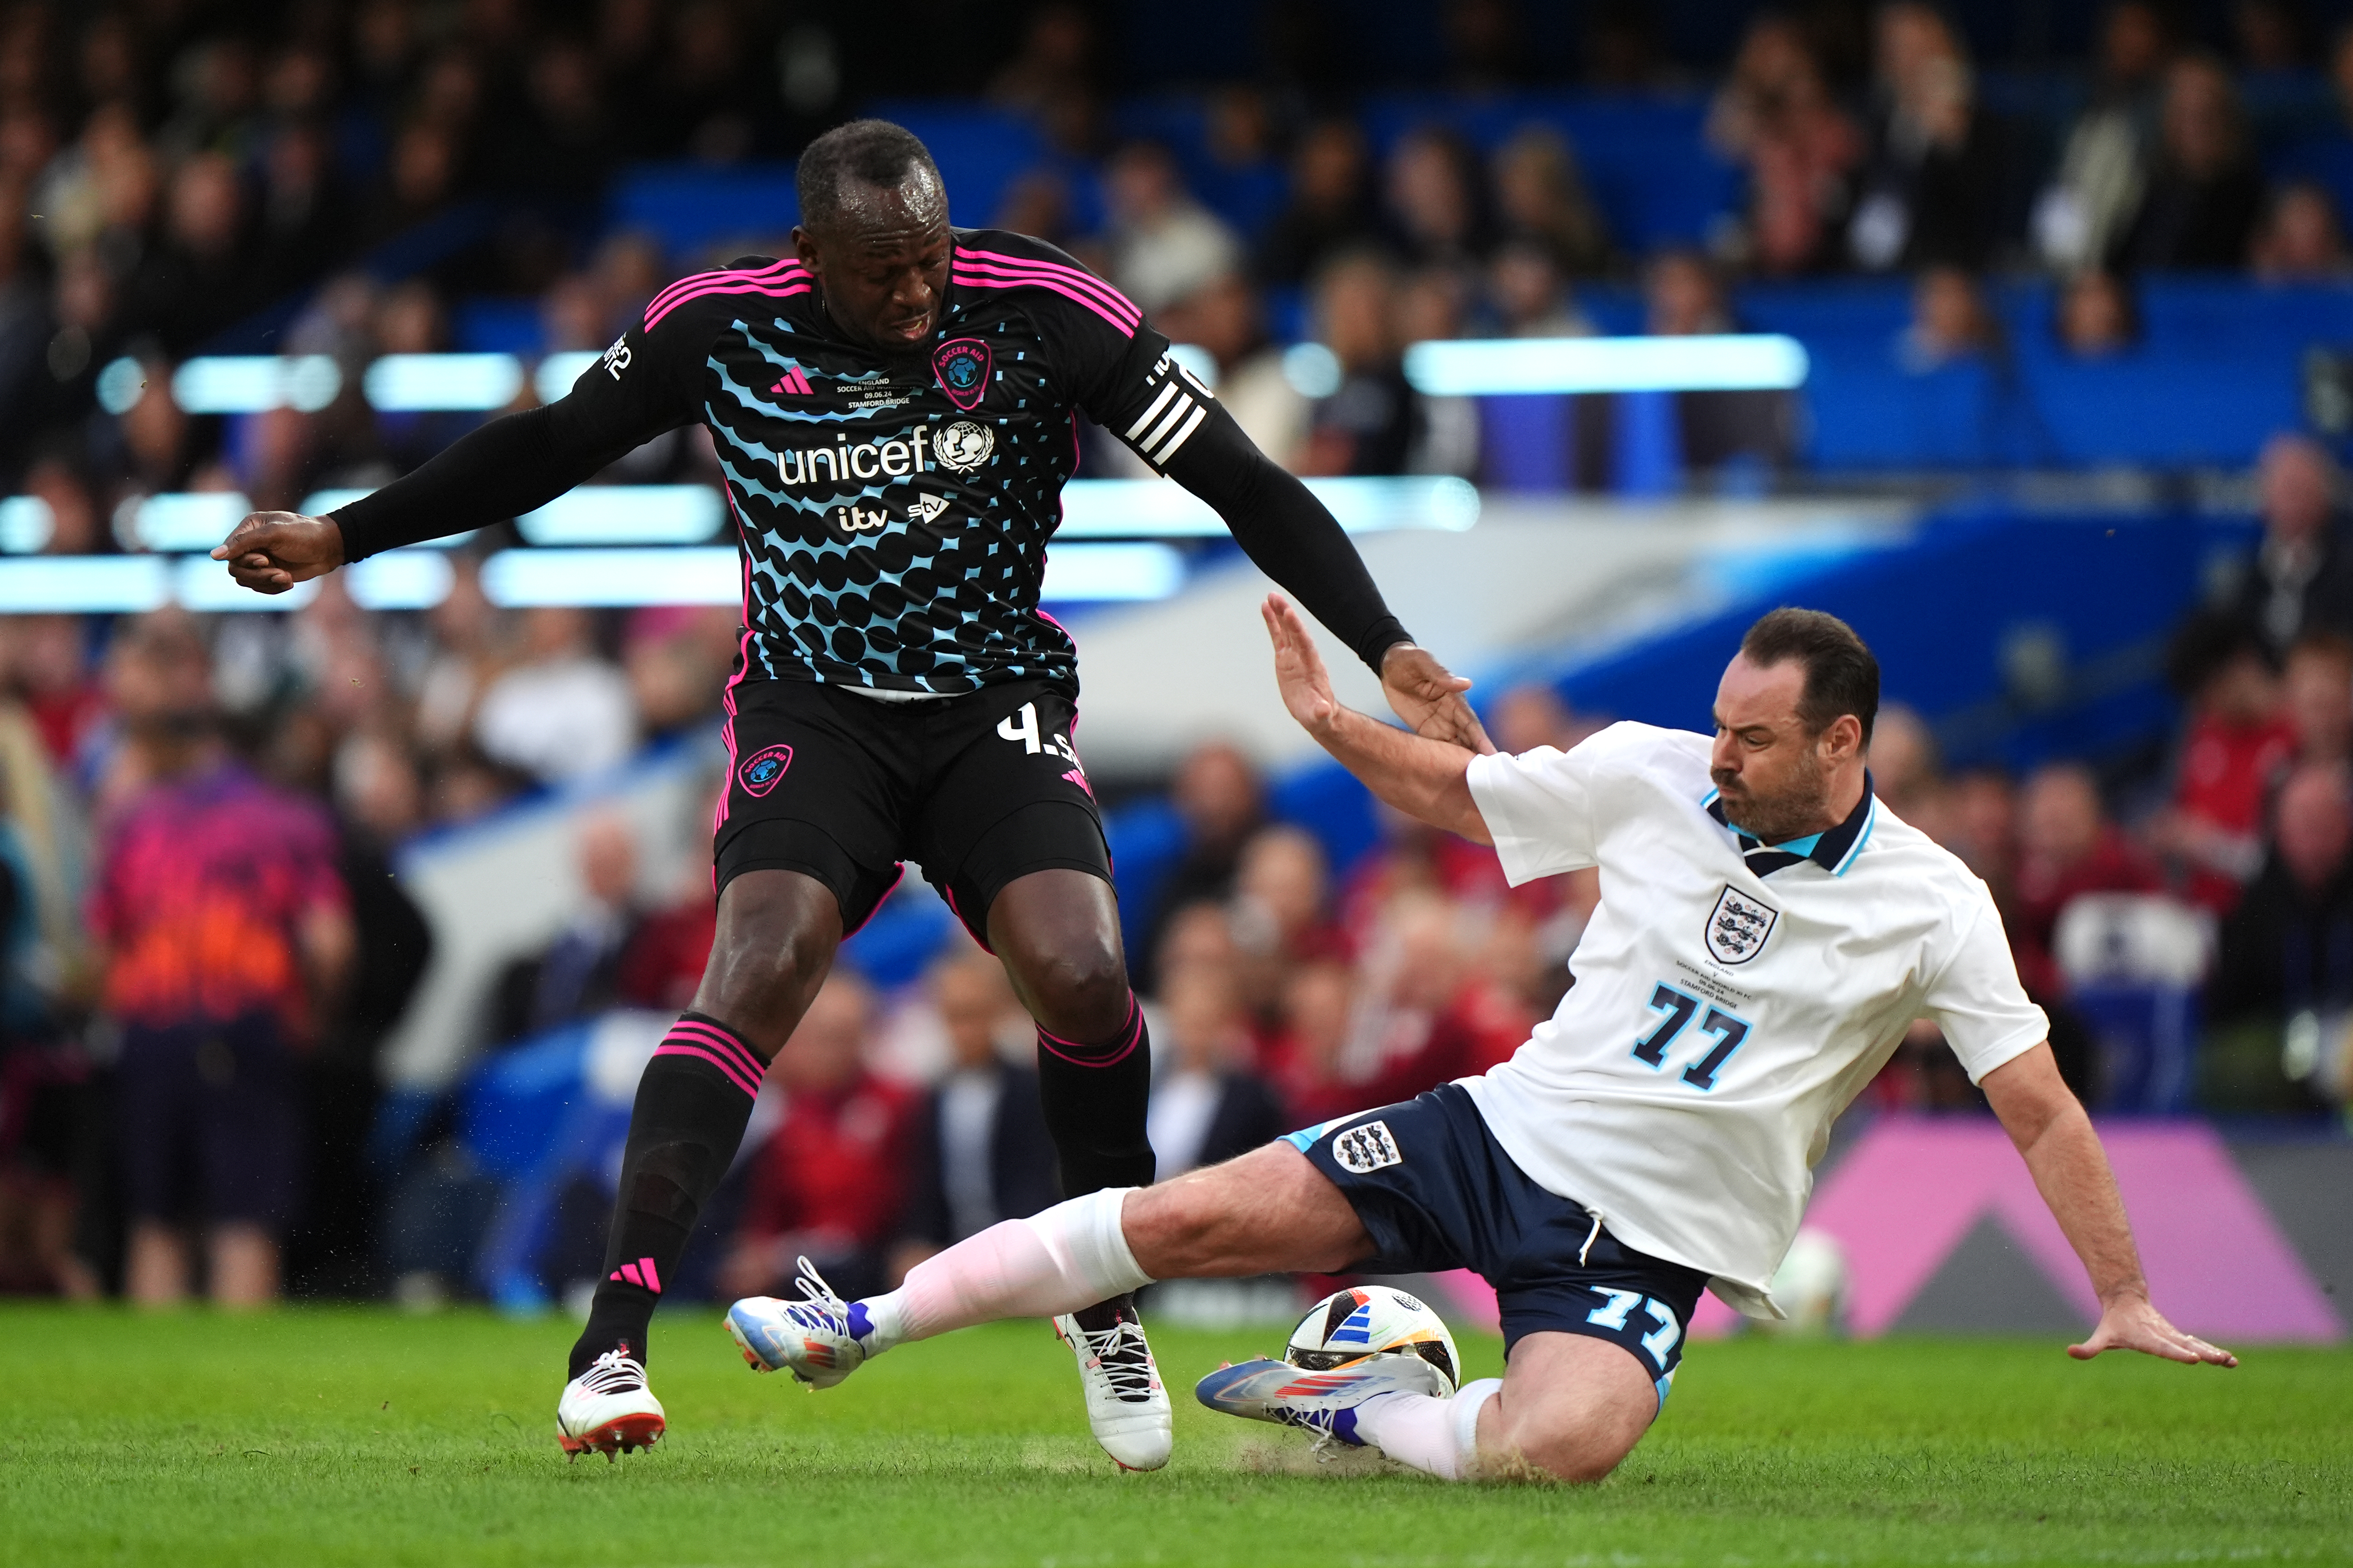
<point x="1438" y="1435"/>
<point x="1071" y="1255"/>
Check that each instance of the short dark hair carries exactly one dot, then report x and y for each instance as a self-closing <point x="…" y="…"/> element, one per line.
<point x="1842" y="675"/>
<point x="869" y="152"/>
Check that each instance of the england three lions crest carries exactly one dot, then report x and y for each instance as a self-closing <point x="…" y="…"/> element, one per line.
<point x="1738" y="925"/>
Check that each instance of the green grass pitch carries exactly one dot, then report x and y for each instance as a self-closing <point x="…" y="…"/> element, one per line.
<point x="325" y="1436"/>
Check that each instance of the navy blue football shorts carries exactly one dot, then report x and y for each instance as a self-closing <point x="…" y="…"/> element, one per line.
<point x="1435" y="1190"/>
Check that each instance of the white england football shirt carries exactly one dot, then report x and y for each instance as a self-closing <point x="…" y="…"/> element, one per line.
<point x="1728" y="1005"/>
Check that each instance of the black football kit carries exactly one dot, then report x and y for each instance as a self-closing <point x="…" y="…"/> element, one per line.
<point x="898" y="693"/>
<point x="892" y="518"/>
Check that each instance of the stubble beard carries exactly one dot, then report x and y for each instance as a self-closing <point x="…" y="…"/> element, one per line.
<point x="1784" y="815"/>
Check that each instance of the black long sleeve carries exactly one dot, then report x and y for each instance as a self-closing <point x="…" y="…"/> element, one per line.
<point x="1288" y="533"/>
<point x="507" y="467"/>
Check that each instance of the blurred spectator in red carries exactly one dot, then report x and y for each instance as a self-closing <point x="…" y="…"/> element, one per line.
<point x="980" y="1152"/>
<point x="561" y="711"/>
<point x="2316" y="695"/>
<point x="1774" y="115"/>
<point x="2300" y="240"/>
<point x="1219" y="795"/>
<point x="1331" y="206"/>
<point x="1207" y="1104"/>
<point x="1930" y="192"/>
<point x="224" y="931"/>
<point x="1306" y="1063"/>
<point x="1428" y="1022"/>
<point x="2285" y="959"/>
<point x="1280" y="917"/>
<point x="831" y="1182"/>
<point x="2096" y="317"/>
<point x="1541" y="200"/>
<point x="48" y="670"/>
<point x="2205" y="192"/>
<point x="2105" y="156"/>
<point x="2237" y="744"/>
<point x="2302" y="576"/>
<point x="2067" y="849"/>
<point x="1163" y="244"/>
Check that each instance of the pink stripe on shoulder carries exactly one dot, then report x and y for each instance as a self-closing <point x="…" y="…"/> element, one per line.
<point x="1078" y="276"/>
<point x="653" y="318"/>
<point x="692" y="279"/>
<point x="971" y="280"/>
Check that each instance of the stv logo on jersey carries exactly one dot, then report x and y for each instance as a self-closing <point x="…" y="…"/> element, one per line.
<point x="1738" y="925"/>
<point x="963" y="367"/>
<point x="762" y="769"/>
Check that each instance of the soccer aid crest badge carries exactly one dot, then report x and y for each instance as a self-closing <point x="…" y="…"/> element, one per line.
<point x="761" y="770"/>
<point x="963" y="368"/>
<point x="1738" y="925"/>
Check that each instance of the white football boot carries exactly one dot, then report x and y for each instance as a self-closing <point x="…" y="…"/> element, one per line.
<point x="1127" y="1406"/>
<point x="813" y="1337"/>
<point x="1324" y="1403"/>
<point x="608" y="1409"/>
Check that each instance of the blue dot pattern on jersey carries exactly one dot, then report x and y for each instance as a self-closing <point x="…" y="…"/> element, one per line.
<point x="842" y="577"/>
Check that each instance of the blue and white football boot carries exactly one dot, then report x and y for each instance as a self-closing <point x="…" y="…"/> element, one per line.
<point x="1322" y="1403"/>
<point x="818" y="1338"/>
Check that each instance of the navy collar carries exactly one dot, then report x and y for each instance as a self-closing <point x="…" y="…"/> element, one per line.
<point x="1833" y="851"/>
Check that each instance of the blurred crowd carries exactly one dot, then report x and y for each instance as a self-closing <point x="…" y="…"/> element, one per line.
<point x="206" y="946"/>
<point x="353" y="178"/>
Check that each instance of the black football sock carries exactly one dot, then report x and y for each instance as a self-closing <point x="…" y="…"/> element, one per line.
<point x="1095" y="1097"/>
<point x="691" y="1107"/>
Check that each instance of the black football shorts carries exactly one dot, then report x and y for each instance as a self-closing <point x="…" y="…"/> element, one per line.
<point x="1435" y="1192"/>
<point x="976" y="789"/>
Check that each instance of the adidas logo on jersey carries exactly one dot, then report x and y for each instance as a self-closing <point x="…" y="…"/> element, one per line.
<point x="792" y="383"/>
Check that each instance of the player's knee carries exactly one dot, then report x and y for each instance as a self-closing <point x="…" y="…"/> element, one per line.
<point x="1570" y="1444"/>
<point x="1084" y="989"/>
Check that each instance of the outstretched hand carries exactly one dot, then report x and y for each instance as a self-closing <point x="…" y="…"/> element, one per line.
<point x="271" y="551"/>
<point x="2131" y="1323"/>
<point x="1299" y="672"/>
<point x="1428" y="697"/>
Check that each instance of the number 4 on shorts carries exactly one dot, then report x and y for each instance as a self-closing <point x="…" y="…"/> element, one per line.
<point x="1022" y="727"/>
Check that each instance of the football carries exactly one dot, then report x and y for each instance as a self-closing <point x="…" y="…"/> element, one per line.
<point x="1369" y="1320"/>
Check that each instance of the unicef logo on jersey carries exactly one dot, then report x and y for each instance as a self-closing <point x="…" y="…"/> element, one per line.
<point x="762" y="769"/>
<point x="1738" y="925"/>
<point x="962" y="366"/>
<point x="964" y="446"/>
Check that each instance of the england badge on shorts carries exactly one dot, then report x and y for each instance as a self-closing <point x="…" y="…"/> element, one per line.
<point x="1738" y="925"/>
<point x="1367" y="1149"/>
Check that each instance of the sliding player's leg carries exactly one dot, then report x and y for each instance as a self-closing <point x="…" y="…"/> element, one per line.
<point x="1434" y="1191"/>
<point x="1265" y="1212"/>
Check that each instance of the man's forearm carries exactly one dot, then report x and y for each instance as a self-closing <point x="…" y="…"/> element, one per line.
<point x="1426" y="779"/>
<point x="508" y="467"/>
<point x="2071" y="1170"/>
